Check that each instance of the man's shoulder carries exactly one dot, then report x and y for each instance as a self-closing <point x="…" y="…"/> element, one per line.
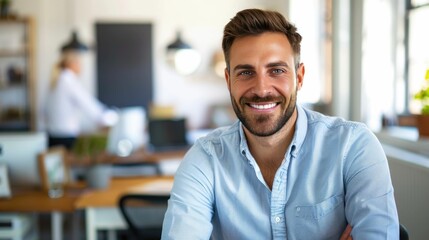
<point x="319" y="119"/>
<point x="208" y="151"/>
<point x="320" y="126"/>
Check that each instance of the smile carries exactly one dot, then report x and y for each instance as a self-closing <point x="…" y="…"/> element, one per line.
<point x="263" y="106"/>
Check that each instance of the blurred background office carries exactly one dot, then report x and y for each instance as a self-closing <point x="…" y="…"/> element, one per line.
<point x="364" y="60"/>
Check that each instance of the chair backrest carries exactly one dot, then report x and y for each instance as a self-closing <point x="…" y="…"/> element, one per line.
<point x="403" y="232"/>
<point x="144" y="214"/>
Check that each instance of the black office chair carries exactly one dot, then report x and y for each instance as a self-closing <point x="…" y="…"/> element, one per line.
<point x="403" y="232"/>
<point x="144" y="214"/>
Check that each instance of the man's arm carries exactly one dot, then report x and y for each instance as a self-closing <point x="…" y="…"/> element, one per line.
<point x="190" y="208"/>
<point x="347" y="233"/>
<point x="370" y="203"/>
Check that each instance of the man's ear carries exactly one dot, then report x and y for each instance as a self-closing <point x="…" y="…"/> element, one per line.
<point x="226" y="71"/>
<point x="300" y="72"/>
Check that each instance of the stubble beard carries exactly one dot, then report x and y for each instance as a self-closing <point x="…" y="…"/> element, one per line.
<point x="263" y="125"/>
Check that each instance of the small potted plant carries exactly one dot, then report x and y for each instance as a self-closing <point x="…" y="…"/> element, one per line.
<point x="423" y="97"/>
<point x="92" y="150"/>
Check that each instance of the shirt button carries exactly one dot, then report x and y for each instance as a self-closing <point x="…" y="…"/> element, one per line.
<point x="277" y="219"/>
<point x="298" y="209"/>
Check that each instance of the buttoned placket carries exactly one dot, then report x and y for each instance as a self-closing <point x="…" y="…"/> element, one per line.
<point x="278" y="201"/>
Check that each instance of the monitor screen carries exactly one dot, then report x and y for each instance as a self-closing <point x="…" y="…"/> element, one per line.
<point x="19" y="151"/>
<point x="168" y="133"/>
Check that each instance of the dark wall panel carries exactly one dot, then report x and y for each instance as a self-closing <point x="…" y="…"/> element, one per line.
<point x="124" y="64"/>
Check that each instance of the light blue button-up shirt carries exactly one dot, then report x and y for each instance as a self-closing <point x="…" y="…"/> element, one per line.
<point x="333" y="174"/>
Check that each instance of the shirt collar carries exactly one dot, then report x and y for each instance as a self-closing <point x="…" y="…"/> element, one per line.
<point x="243" y="142"/>
<point x="300" y="130"/>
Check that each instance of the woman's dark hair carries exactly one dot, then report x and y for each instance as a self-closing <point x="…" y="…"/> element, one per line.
<point x="255" y="21"/>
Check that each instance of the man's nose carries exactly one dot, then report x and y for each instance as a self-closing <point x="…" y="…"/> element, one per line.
<point x="262" y="86"/>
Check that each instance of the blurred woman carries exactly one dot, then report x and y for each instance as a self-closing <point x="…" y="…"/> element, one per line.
<point x="68" y="102"/>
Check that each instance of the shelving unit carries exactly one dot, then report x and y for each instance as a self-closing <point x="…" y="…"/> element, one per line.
<point x="17" y="86"/>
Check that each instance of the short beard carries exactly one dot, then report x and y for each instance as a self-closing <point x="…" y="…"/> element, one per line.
<point x="263" y="119"/>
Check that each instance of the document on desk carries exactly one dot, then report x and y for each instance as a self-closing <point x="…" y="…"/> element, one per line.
<point x="159" y="187"/>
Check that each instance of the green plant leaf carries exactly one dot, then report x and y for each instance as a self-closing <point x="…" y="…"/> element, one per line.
<point x="425" y="110"/>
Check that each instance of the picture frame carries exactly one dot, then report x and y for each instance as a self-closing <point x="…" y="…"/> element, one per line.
<point x="54" y="169"/>
<point x="5" y="191"/>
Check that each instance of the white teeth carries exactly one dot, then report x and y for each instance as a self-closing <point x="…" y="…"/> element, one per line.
<point x="265" y="106"/>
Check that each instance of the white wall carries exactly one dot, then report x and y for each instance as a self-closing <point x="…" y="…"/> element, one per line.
<point x="378" y="61"/>
<point x="410" y="177"/>
<point x="201" y="23"/>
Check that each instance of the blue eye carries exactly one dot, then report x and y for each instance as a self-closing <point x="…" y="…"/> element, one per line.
<point x="247" y="73"/>
<point x="278" y="71"/>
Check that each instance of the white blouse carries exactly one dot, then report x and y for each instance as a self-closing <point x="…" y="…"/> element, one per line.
<point x="68" y="104"/>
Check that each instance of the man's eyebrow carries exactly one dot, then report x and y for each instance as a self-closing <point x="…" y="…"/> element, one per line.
<point x="278" y="64"/>
<point x="243" y="67"/>
<point x="269" y="65"/>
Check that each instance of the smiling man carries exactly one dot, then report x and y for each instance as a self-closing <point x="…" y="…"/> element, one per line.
<point x="281" y="171"/>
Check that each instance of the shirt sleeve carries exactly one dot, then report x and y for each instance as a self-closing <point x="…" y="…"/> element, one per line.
<point x="370" y="203"/>
<point x="190" y="207"/>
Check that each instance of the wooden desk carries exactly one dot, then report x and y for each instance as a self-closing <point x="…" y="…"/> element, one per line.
<point x="100" y="206"/>
<point x="97" y="203"/>
<point x="34" y="199"/>
<point x="101" y="212"/>
<point x="30" y="200"/>
<point x="118" y="186"/>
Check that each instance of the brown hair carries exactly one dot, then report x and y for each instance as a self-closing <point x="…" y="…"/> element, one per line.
<point x="255" y="21"/>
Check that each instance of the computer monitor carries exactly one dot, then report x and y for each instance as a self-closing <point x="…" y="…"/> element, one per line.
<point x="167" y="134"/>
<point x="19" y="151"/>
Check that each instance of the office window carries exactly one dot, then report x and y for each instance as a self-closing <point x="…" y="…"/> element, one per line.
<point x="378" y="67"/>
<point x="395" y="49"/>
<point x="417" y="50"/>
<point x="419" y="2"/>
<point x="312" y="18"/>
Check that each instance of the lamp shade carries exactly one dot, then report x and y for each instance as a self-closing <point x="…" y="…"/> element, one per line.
<point x="182" y="57"/>
<point x="178" y="43"/>
<point x="74" y="44"/>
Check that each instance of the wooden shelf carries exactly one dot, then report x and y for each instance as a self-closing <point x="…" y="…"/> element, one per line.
<point x="13" y="53"/>
<point x="22" y="30"/>
<point x="14" y="20"/>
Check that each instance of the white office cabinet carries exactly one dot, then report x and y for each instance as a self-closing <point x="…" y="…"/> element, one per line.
<point x="18" y="226"/>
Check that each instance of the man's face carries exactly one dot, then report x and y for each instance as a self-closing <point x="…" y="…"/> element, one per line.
<point x="262" y="82"/>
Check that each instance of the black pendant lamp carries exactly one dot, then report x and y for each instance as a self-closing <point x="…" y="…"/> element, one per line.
<point x="74" y="44"/>
<point x="182" y="57"/>
<point x="178" y="44"/>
